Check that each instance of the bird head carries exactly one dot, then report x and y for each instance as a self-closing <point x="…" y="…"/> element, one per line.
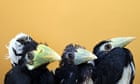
<point x="76" y="54"/>
<point x="19" y="46"/>
<point x="42" y="55"/>
<point x="105" y="46"/>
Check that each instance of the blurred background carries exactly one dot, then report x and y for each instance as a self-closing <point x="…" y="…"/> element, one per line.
<point x="60" y="22"/>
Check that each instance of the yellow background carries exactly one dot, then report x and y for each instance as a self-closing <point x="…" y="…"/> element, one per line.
<point x="60" y="22"/>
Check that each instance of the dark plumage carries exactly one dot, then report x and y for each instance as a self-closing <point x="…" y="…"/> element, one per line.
<point x="20" y="73"/>
<point x="67" y="73"/>
<point x="72" y="69"/>
<point x="115" y="64"/>
<point x="85" y="73"/>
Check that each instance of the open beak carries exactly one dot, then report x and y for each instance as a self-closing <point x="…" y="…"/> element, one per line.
<point x="121" y="41"/>
<point x="83" y="55"/>
<point x="42" y="55"/>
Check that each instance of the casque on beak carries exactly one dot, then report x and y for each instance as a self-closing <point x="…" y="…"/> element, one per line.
<point x="43" y="54"/>
<point x="83" y="55"/>
<point x="121" y="41"/>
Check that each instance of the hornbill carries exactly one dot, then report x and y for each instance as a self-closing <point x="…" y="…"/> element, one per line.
<point x="19" y="46"/>
<point x="32" y="68"/>
<point x="72" y="57"/>
<point x="115" y="64"/>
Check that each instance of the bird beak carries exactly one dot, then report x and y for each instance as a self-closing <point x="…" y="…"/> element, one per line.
<point x="42" y="55"/>
<point x="83" y="55"/>
<point x="121" y="41"/>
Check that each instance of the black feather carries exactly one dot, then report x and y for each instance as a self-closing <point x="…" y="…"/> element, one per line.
<point x="21" y="75"/>
<point x="110" y="68"/>
<point x="85" y="73"/>
<point x="67" y="73"/>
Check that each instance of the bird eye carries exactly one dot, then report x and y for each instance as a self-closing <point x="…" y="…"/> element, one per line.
<point x="107" y="47"/>
<point x="70" y="56"/>
<point x="30" y="56"/>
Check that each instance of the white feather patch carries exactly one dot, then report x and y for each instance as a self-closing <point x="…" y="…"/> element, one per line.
<point x="126" y="76"/>
<point x="14" y="44"/>
<point x="88" y="81"/>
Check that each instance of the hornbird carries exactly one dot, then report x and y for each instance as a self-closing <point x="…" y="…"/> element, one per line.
<point x="115" y="64"/>
<point x="30" y="66"/>
<point x="70" y="70"/>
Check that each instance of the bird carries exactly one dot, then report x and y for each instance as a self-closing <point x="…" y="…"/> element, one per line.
<point x="19" y="46"/>
<point x="115" y="63"/>
<point x="69" y="71"/>
<point x="30" y="68"/>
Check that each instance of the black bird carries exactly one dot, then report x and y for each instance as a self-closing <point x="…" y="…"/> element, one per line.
<point x="115" y="64"/>
<point x="69" y="71"/>
<point x="30" y="68"/>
